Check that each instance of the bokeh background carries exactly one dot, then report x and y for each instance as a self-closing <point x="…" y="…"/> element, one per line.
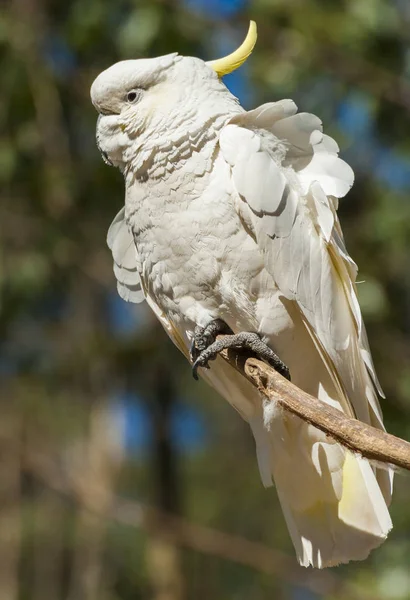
<point x="120" y="477"/>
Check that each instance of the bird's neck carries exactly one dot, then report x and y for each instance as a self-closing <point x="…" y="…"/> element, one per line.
<point x="187" y="142"/>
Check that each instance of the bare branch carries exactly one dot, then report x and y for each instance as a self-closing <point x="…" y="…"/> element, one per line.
<point x="355" y="435"/>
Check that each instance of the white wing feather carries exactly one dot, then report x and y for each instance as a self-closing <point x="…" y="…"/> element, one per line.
<point x="296" y="226"/>
<point x="288" y="177"/>
<point x="121" y="243"/>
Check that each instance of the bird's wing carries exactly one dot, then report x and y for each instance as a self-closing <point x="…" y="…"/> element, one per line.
<point x="288" y="178"/>
<point x="121" y="243"/>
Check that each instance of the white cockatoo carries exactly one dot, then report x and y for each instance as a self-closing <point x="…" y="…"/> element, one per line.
<point x="230" y="226"/>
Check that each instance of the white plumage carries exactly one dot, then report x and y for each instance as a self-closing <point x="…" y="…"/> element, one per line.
<point x="232" y="215"/>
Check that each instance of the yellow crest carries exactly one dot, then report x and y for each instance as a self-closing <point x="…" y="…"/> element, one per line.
<point x="229" y="63"/>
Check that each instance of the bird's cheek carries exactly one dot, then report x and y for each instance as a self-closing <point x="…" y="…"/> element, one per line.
<point x="111" y="141"/>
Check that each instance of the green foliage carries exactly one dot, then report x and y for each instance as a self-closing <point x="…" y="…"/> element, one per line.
<point x="62" y="361"/>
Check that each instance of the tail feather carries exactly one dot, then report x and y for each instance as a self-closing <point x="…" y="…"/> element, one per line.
<point x="333" y="506"/>
<point x="331" y="499"/>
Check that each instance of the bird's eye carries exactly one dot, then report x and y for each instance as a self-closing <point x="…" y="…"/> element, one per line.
<point x="132" y="96"/>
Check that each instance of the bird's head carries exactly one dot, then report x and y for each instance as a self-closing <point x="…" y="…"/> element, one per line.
<point x="151" y="97"/>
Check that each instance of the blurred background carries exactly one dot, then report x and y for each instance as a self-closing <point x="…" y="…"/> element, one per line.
<point x="120" y="477"/>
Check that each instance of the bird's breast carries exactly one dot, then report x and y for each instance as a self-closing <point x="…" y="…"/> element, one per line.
<point x="192" y="246"/>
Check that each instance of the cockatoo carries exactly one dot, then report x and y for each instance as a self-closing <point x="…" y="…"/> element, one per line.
<point x="230" y="226"/>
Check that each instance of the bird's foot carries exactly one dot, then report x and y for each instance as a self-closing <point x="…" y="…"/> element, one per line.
<point x="205" y="336"/>
<point x="206" y="347"/>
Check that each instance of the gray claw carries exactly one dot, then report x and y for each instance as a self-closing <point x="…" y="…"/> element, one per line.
<point x="199" y="363"/>
<point x="206" y="347"/>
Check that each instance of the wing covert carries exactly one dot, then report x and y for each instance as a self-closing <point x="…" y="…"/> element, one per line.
<point x="288" y="178"/>
<point x="121" y="243"/>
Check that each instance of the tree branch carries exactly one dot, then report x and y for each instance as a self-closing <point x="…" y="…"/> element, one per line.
<point x="355" y="435"/>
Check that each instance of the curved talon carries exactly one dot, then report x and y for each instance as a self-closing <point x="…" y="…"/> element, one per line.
<point x="196" y="365"/>
<point x="284" y="371"/>
<point x="281" y="368"/>
<point x="195" y="372"/>
<point x="193" y="351"/>
<point x="206" y="347"/>
<point x="203" y="359"/>
<point x="203" y="339"/>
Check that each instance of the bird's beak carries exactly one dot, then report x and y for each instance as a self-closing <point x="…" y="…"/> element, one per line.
<point x="102" y="152"/>
<point x="229" y="63"/>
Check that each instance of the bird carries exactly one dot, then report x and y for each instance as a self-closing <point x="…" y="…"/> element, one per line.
<point x="230" y="226"/>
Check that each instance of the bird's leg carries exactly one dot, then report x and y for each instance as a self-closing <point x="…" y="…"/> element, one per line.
<point x="206" y="347"/>
<point x="205" y="336"/>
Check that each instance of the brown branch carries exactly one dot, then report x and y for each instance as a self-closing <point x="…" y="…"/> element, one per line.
<point x="355" y="435"/>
